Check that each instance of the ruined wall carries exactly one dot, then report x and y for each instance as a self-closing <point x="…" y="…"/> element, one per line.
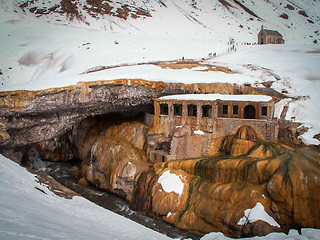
<point x="187" y="142"/>
<point x="266" y="130"/>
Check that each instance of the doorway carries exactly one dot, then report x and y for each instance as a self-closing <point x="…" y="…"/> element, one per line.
<point x="250" y="112"/>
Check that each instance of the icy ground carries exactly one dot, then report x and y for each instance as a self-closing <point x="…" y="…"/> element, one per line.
<point x="28" y="213"/>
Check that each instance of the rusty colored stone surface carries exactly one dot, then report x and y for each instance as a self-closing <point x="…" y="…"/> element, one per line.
<point x="218" y="189"/>
<point x="243" y="170"/>
<point x="113" y="155"/>
<point x="57" y="149"/>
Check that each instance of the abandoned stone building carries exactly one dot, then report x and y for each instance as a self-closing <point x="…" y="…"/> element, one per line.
<point x="269" y="37"/>
<point x="199" y="118"/>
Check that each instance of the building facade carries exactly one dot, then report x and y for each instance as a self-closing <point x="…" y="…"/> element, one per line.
<point x="210" y="116"/>
<point x="269" y="37"/>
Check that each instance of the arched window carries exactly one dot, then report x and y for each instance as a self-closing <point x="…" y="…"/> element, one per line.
<point x="250" y="112"/>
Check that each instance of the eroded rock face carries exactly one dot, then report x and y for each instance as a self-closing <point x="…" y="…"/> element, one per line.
<point x="57" y="149"/>
<point x="29" y="117"/>
<point x="217" y="190"/>
<point x="113" y="155"/>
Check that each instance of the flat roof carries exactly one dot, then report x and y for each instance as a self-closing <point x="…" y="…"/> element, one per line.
<point x="223" y="97"/>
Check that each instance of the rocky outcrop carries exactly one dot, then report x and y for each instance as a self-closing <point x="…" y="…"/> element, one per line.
<point x="113" y="155"/>
<point x="28" y="117"/>
<point x="206" y="194"/>
<point x="218" y="192"/>
<point x="57" y="149"/>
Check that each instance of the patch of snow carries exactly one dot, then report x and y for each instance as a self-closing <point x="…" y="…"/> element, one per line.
<point x="199" y="132"/>
<point x="307" y="137"/>
<point x="214" y="97"/>
<point x="170" y="182"/>
<point x="199" y="68"/>
<point x="255" y="214"/>
<point x="306" y="234"/>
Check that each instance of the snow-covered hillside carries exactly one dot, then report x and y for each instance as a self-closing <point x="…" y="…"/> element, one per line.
<point x="297" y="20"/>
<point x="38" y="55"/>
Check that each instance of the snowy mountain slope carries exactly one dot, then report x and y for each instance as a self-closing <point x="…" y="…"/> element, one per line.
<point x="30" y="213"/>
<point x="298" y="21"/>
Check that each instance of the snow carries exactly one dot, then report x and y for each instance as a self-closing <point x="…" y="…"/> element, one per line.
<point x="27" y="213"/>
<point x="199" y="132"/>
<point x="255" y="214"/>
<point x="306" y="234"/>
<point x="36" y="54"/>
<point x="214" y="97"/>
<point x="50" y="55"/>
<point x="170" y="182"/>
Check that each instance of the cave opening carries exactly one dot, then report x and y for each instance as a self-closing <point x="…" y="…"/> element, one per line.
<point x="60" y="157"/>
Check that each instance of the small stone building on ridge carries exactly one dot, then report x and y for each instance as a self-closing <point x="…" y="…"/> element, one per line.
<point x="203" y="117"/>
<point x="269" y="37"/>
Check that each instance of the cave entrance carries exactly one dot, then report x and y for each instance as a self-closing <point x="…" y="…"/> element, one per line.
<point x="249" y="112"/>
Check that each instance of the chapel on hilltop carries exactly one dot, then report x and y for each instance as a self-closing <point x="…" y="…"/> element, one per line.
<point x="269" y="37"/>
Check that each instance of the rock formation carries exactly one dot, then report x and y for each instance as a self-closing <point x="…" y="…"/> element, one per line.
<point x="215" y="193"/>
<point x="28" y="117"/>
<point x="217" y="190"/>
<point x="99" y="123"/>
<point x="113" y="155"/>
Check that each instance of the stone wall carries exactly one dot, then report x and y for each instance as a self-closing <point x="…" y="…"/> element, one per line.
<point x="266" y="130"/>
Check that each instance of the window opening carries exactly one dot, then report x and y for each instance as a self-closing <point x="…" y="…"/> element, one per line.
<point x="192" y="110"/>
<point x="177" y="109"/>
<point x="164" y="109"/>
<point x="225" y="109"/>
<point x="264" y="111"/>
<point x="206" y="110"/>
<point x="235" y="110"/>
